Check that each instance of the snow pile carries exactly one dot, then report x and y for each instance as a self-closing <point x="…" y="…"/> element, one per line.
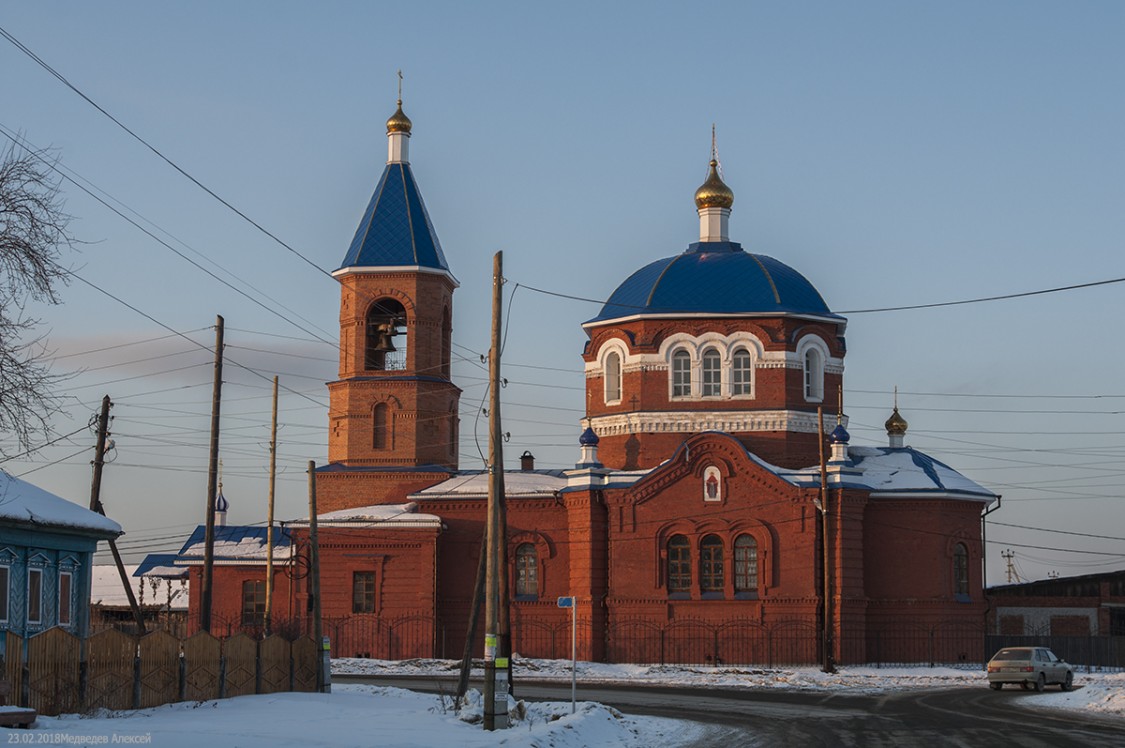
<point x="357" y="715"/>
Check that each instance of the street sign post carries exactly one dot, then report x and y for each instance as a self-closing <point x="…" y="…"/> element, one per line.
<point x="568" y="602"/>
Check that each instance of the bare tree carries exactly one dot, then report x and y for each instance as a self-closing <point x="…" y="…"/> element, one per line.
<point x="33" y="233"/>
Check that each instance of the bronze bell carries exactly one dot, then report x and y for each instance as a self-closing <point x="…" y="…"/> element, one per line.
<point x="385" y="344"/>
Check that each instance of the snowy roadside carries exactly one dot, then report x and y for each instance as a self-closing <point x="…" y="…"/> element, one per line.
<point x="1102" y="693"/>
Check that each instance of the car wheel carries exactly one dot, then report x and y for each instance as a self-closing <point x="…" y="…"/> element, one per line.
<point x="1040" y="682"/>
<point x="996" y="686"/>
<point x="1068" y="682"/>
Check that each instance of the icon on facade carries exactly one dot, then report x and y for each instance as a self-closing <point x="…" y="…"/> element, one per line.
<point x="712" y="484"/>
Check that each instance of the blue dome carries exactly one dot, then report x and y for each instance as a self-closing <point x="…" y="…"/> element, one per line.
<point x="588" y="438"/>
<point x="839" y="435"/>
<point x="715" y="278"/>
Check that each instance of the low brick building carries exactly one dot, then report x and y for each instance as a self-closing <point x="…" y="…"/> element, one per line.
<point x="1087" y="605"/>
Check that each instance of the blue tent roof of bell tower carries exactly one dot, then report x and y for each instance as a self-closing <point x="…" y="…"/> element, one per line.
<point x="396" y="230"/>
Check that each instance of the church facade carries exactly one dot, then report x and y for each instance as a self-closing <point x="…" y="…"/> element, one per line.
<point x="710" y="516"/>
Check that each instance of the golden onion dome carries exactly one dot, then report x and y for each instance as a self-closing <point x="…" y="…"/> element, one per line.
<point x="896" y="424"/>
<point x="714" y="193"/>
<point x="399" y="122"/>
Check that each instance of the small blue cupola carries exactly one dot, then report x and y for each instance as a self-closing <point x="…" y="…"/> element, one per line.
<point x="589" y="446"/>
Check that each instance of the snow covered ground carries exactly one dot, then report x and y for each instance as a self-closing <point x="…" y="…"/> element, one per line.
<point x="365" y="715"/>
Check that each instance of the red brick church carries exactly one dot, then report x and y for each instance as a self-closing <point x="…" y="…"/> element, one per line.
<point x="691" y="527"/>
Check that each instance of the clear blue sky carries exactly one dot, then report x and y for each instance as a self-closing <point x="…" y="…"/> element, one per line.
<point x="894" y="153"/>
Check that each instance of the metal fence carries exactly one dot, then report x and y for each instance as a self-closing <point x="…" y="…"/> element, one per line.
<point x="688" y="641"/>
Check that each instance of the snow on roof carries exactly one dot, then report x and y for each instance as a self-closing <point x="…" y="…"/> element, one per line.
<point x="106" y="589"/>
<point x="379" y="515"/>
<point x="235" y="544"/>
<point x="898" y="470"/>
<point x="23" y="502"/>
<point x="518" y="484"/>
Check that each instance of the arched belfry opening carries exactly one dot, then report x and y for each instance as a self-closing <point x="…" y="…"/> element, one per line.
<point x="386" y="338"/>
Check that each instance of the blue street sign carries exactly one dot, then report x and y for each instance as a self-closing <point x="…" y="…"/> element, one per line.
<point x="566" y="602"/>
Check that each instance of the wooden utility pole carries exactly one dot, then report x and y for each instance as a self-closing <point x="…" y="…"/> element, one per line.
<point x="96" y="506"/>
<point x="495" y="656"/>
<point x="269" y="513"/>
<point x="212" y="483"/>
<point x="826" y="643"/>
<point x="314" y="580"/>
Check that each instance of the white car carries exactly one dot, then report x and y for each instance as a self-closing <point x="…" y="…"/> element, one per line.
<point x="1031" y="667"/>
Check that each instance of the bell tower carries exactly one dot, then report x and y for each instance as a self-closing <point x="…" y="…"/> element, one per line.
<point x="394" y="404"/>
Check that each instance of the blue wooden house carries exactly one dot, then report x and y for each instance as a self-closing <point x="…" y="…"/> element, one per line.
<point x="46" y="555"/>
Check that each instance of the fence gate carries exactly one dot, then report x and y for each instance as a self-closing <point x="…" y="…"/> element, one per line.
<point x="52" y="659"/>
<point x="160" y="669"/>
<point x="109" y="670"/>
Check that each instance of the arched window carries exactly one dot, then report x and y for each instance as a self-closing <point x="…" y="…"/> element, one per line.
<point x="740" y="373"/>
<point x="527" y="572"/>
<point x="679" y="564"/>
<point x="960" y="569"/>
<point x="681" y="374"/>
<point x="381" y="427"/>
<point x="814" y="375"/>
<point x="386" y="338"/>
<point x="613" y="378"/>
<point x="711" y="564"/>
<point x="745" y="564"/>
<point x="712" y="373"/>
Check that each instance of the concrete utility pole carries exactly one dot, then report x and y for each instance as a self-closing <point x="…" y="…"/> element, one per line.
<point x="212" y="483"/>
<point x="269" y="513"/>
<point x="96" y="506"/>
<point x="495" y="655"/>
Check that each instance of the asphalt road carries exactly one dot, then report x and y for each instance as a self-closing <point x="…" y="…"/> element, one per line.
<point x="970" y="717"/>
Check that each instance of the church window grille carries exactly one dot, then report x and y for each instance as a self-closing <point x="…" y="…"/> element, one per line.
<point x="960" y="570"/>
<point x="527" y="572"/>
<point x="745" y="564"/>
<point x="712" y="374"/>
<point x="253" y="602"/>
<point x="613" y="378"/>
<point x="363" y="592"/>
<point x="679" y="564"/>
<point x="681" y="374"/>
<point x="711" y="564"/>
<point x="740" y="380"/>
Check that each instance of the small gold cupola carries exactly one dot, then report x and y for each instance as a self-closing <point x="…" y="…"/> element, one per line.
<point x="714" y="193"/>
<point x="713" y="200"/>
<point x="896" y="425"/>
<point x="399" y="122"/>
<point x="398" y="132"/>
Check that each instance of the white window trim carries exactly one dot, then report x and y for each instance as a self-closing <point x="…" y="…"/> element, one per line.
<point x="736" y="347"/>
<point x="812" y="387"/>
<point x="613" y="345"/>
<point x="693" y="378"/>
<point x="7" y="592"/>
<point x="724" y="373"/>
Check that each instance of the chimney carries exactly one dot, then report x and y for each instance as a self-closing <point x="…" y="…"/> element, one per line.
<point x="527" y="461"/>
